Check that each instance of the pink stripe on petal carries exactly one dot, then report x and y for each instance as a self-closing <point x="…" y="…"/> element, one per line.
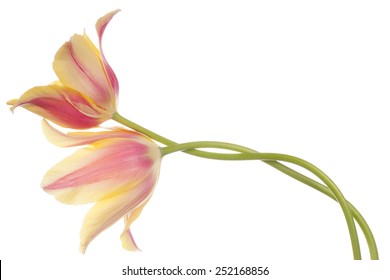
<point x="85" y="72"/>
<point x="112" y="77"/>
<point x="58" y="112"/>
<point x="52" y="102"/>
<point x="106" y="168"/>
<point x="113" y="167"/>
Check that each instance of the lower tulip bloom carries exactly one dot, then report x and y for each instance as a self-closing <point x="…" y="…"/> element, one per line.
<point x="117" y="170"/>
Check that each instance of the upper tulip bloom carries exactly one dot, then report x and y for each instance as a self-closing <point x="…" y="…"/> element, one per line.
<point x="117" y="169"/>
<point x="87" y="90"/>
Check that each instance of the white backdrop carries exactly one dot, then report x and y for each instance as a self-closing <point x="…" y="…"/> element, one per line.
<point x="307" y="78"/>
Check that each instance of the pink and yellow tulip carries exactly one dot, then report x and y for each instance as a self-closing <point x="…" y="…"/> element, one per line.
<point x="85" y="94"/>
<point x="117" y="170"/>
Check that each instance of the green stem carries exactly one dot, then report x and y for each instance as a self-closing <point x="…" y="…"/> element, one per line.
<point x="277" y="157"/>
<point x="321" y="188"/>
<point x="348" y="208"/>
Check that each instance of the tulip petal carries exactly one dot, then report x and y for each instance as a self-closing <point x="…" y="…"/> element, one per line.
<point x="12" y="103"/>
<point x="106" y="212"/>
<point x="72" y="139"/>
<point x="101" y="25"/>
<point x="127" y="239"/>
<point x="102" y="170"/>
<point x="61" y="105"/>
<point x="78" y="65"/>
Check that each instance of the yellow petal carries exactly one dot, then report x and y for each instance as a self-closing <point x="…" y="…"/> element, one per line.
<point x="12" y="102"/>
<point x="78" y="65"/>
<point x="106" y="212"/>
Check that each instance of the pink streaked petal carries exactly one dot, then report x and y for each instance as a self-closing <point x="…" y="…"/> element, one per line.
<point x="78" y="65"/>
<point x="61" y="105"/>
<point x="72" y="139"/>
<point x="106" y="168"/>
<point x="106" y="212"/>
<point x="101" y="25"/>
<point x="127" y="239"/>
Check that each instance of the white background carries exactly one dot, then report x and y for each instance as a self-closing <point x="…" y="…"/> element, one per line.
<point x="307" y="78"/>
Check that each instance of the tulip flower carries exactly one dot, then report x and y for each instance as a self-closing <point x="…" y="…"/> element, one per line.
<point x="117" y="170"/>
<point x="85" y="94"/>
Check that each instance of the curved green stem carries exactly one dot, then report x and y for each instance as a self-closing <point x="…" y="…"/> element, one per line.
<point x="348" y="208"/>
<point x="277" y="157"/>
<point x="374" y="255"/>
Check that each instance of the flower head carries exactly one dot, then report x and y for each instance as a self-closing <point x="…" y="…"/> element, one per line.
<point x="117" y="170"/>
<point x="85" y="94"/>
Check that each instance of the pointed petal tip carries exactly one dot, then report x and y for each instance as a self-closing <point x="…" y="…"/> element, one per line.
<point x="109" y="15"/>
<point x="128" y="242"/>
<point x="102" y="22"/>
<point x="83" y="248"/>
<point x="12" y="102"/>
